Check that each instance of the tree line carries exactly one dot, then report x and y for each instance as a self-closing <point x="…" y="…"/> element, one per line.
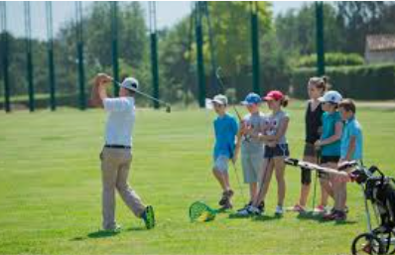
<point x="284" y="40"/>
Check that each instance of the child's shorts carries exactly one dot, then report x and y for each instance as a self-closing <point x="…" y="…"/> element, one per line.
<point x="325" y="160"/>
<point x="281" y="150"/>
<point x="221" y="164"/>
<point x="310" y="150"/>
<point x="252" y="164"/>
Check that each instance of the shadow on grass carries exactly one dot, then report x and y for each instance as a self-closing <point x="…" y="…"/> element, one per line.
<point x="310" y="216"/>
<point x="96" y="234"/>
<point x="319" y="218"/>
<point x="266" y="217"/>
<point x="237" y="216"/>
<point x="136" y="229"/>
<point x="103" y="234"/>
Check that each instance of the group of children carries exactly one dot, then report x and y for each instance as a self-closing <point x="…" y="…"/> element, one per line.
<point x="333" y="135"/>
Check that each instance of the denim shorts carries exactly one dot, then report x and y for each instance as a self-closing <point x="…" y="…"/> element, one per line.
<point x="221" y="164"/>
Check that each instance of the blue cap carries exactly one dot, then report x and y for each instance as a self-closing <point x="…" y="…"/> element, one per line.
<point x="252" y="98"/>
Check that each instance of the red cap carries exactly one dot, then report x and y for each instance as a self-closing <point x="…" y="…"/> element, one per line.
<point x="274" y="95"/>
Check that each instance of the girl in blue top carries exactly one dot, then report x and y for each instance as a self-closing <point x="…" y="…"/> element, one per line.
<point x="329" y="143"/>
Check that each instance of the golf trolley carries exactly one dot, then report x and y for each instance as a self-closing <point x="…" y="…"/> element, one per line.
<point x="379" y="190"/>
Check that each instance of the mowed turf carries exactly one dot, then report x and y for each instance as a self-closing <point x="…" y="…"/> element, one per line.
<point x="50" y="188"/>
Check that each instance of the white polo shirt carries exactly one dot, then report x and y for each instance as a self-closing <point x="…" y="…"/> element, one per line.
<point x="120" y="120"/>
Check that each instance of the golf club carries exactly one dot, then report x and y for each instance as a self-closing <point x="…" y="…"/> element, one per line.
<point x="218" y="76"/>
<point x="168" y="107"/>
<point x="316" y="179"/>
<point x="238" y="181"/>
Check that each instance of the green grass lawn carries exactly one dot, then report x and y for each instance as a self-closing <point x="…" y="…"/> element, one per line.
<point x="50" y="188"/>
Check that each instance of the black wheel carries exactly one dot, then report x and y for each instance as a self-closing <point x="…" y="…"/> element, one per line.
<point x="385" y="236"/>
<point x="367" y="243"/>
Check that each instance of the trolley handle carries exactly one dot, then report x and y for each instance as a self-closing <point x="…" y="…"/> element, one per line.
<point x="346" y="165"/>
<point x="291" y="161"/>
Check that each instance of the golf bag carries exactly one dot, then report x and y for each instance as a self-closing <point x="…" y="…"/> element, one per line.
<point x="380" y="191"/>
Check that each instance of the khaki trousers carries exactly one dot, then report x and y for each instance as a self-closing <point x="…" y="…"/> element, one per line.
<point x="115" y="165"/>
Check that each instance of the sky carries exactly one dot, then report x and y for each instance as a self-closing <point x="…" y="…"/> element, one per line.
<point x="168" y="13"/>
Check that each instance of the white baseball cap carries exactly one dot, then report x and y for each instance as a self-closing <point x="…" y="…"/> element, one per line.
<point x="220" y="99"/>
<point x="331" y="96"/>
<point x="130" y="83"/>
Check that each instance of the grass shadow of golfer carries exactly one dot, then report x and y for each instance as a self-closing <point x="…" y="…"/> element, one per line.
<point x="103" y="234"/>
<point x="96" y="234"/>
<point x="135" y="229"/>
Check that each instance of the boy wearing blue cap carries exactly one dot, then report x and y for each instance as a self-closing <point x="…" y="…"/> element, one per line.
<point x="252" y="149"/>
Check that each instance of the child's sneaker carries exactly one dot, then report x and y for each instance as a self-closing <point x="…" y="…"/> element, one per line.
<point x="261" y="207"/>
<point x="341" y="216"/>
<point x="149" y="217"/>
<point x="245" y="207"/>
<point x="226" y="196"/>
<point x="244" y="212"/>
<point x="227" y="206"/>
<point x="255" y="210"/>
<point x="298" y="208"/>
<point x="249" y="211"/>
<point x="331" y="216"/>
<point x="320" y="209"/>
<point x="279" y="210"/>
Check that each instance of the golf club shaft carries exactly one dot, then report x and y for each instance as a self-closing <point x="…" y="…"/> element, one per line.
<point x="316" y="177"/>
<point x="145" y="95"/>
<point x="315" y="189"/>
<point x="223" y="88"/>
<point x="238" y="181"/>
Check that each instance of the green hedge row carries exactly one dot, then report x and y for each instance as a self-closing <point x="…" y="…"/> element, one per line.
<point x="372" y="82"/>
<point x="331" y="59"/>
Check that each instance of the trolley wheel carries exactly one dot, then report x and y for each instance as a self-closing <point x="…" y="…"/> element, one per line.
<point x="387" y="238"/>
<point x="367" y="243"/>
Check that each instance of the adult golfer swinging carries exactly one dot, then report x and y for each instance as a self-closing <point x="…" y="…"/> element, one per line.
<point x="116" y="156"/>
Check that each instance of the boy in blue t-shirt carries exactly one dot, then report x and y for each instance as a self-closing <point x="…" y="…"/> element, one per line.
<point x="351" y="149"/>
<point x="352" y="140"/>
<point x="226" y="129"/>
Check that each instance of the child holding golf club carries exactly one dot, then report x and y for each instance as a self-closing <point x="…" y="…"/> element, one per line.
<point x="275" y="151"/>
<point x="313" y="127"/>
<point x="226" y="129"/>
<point x="329" y="142"/>
<point x="252" y="148"/>
<point x="351" y="149"/>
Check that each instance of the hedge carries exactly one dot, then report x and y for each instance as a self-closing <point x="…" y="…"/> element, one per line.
<point x="371" y="82"/>
<point x="331" y="59"/>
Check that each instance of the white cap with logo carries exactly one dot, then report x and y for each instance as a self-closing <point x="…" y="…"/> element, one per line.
<point x="130" y="83"/>
<point x="331" y="96"/>
<point x="220" y="99"/>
